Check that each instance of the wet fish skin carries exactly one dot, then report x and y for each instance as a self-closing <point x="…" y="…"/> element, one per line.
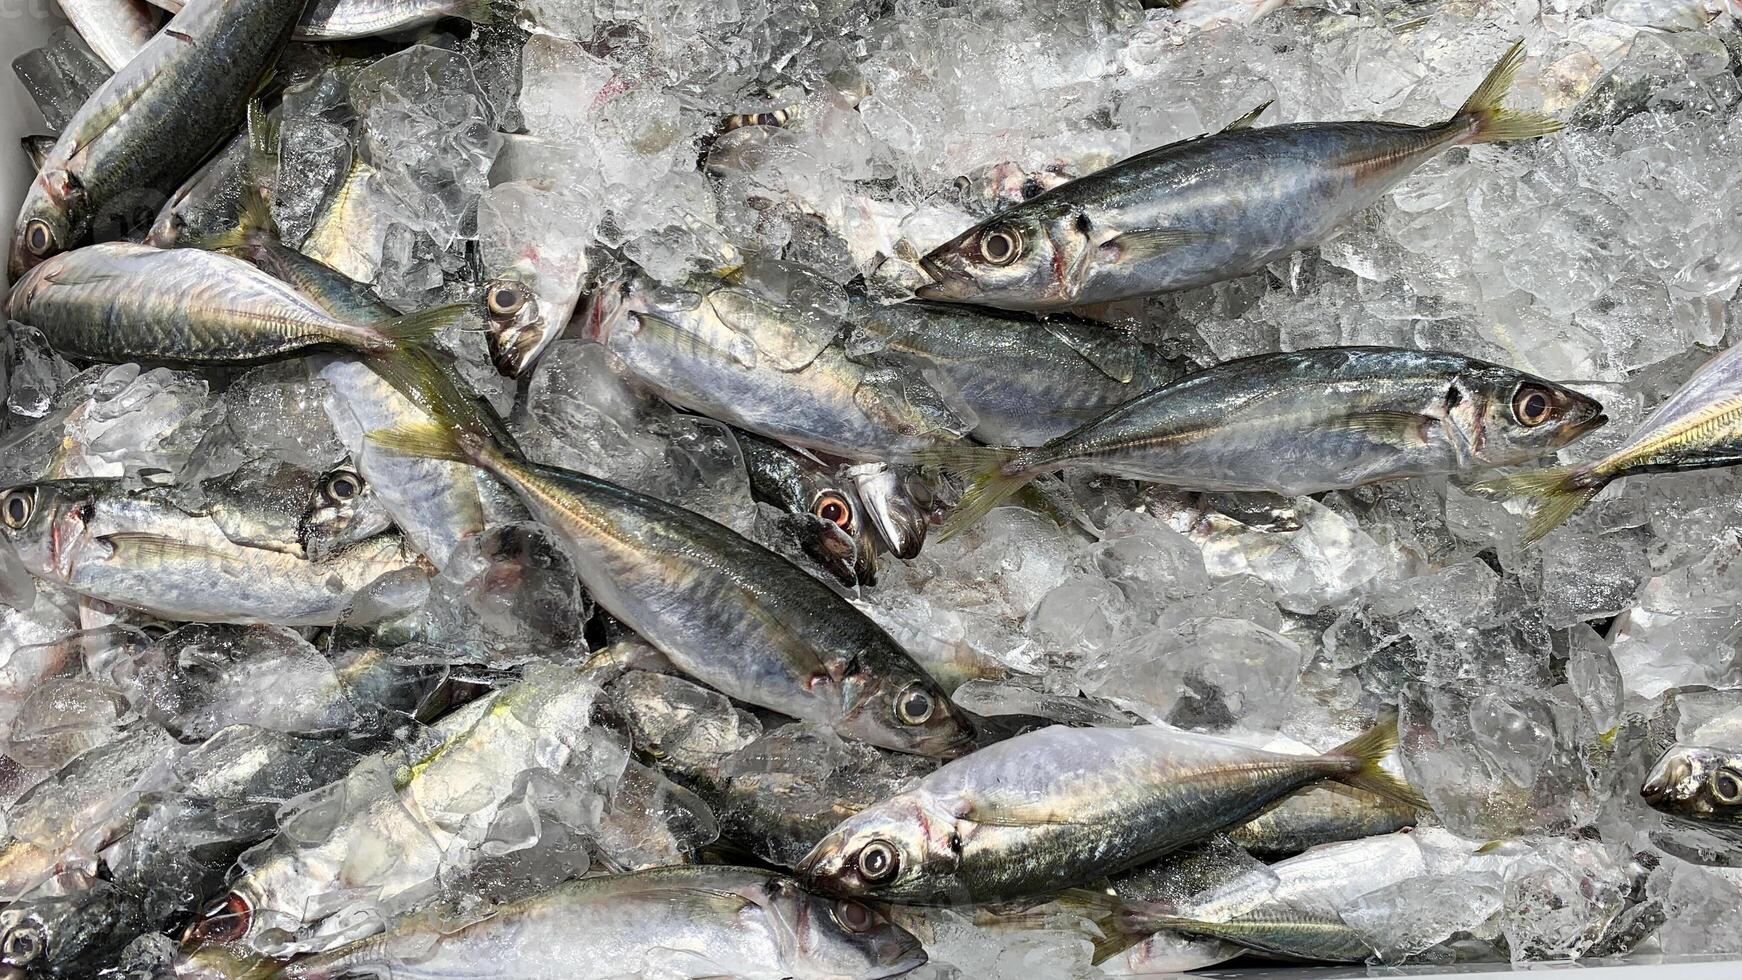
<point x="350" y="20"/>
<point x="1698" y="427"/>
<point x="898" y="503"/>
<point x="152" y="123"/>
<point x="707" y="921"/>
<point x="1700" y="783"/>
<point x="140" y="551"/>
<point x="1027" y="381"/>
<point x="1321" y="815"/>
<point x="115" y="29"/>
<point x="1301" y="422"/>
<point x="825" y="514"/>
<point x="722" y="608"/>
<point x="206" y="203"/>
<point x="1205" y="209"/>
<point x="1063" y="806"/>
<point x="727" y="353"/>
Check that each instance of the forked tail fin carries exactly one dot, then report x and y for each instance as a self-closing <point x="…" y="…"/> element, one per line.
<point x="1554" y="494"/>
<point x="1366" y="752"/>
<point x="1492" y="122"/>
<point x="990" y="468"/>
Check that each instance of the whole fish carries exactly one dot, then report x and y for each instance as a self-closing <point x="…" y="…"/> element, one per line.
<point x="115" y="29"/>
<point x="350" y="20"/>
<point x="1062" y="806"/>
<point x="1318" y="815"/>
<point x="148" y="127"/>
<point x="1698" y="427"/>
<point x="1700" y="783"/>
<point x="140" y="551"/>
<point x="720" y="607"/>
<point x="1205" y="209"/>
<point x="673" y="922"/>
<point x="733" y="355"/>
<point x="1300" y="422"/>
<point x="120" y="302"/>
<point x="1027" y="381"/>
<point x="825" y="516"/>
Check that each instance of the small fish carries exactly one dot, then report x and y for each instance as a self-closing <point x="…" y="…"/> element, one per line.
<point x="1061" y="807"/>
<point x="675" y="922"/>
<point x="1205" y="209"/>
<point x="115" y="29"/>
<point x="150" y="125"/>
<point x="1700" y="783"/>
<point x="120" y="302"/>
<point x="351" y="20"/>
<point x="1300" y="422"/>
<point x="825" y="515"/>
<point x="1699" y="427"/>
<point x="141" y="551"/>
<point x="722" y="608"/>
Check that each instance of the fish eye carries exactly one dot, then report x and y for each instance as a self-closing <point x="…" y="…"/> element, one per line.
<point x="224" y="922"/>
<point x="878" y="861"/>
<point x="343" y="486"/>
<point x="38" y="237"/>
<point x="1726" y="786"/>
<point x="17" y="506"/>
<point x="914" y="705"/>
<point x="833" y="507"/>
<point x="1531" y="405"/>
<point x="24" y="942"/>
<point x="1000" y="246"/>
<point x="854" y="916"/>
<point x="505" y="299"/>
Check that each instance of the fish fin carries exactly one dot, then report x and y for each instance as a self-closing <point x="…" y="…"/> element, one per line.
<point x="1139" y="245"/>
<point x="1104" y="348"/>
<point x="157" y="546"/>
<point x="1111" y="945"/>
<point x="1089" y="899"/>
<point x="430" y="440"/>
<point x="38" y="148"/>
<point x="694" y="342"/>
<point x="1554" y="494"/>
<point x="1393" y="428"/>
<point x="1367" y="751"/>
<point x="415" y="372"/>
<point x="991" y="485"/>
<point x="1246" y="121"/>
<point x="1493" y="122"/>
<point x="419" y="328"/>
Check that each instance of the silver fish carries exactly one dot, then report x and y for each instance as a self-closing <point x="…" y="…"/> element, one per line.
<point x="1321" y="815"/>
<point x="1205" y="209"/>
<point x="679" y="922"/>
<point x="350" y="20"/>
<point x="115" y="29"/>
<point x="1699" y="783"/>
<point x="1063" y="806"/>
<point x="722" y="608"/>
<point x="148" y="127"/>
<point x="1698" y="427"/>
<point x="731" y="354"/>
<point x="142" y="552"/>
<point x="898" y="503"/>
<point x="1301" y="422"/>
<point x="825" y="516"/>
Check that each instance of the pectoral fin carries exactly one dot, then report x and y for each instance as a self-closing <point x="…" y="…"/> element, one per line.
<point x="1135" y="246"/>
<point x="1392" y="428"/>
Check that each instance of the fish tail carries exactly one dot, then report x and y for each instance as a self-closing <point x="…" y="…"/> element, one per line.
<point x="995" y="478"/>
<point x="1491" y="122"/>
<point x="1554" y="494"/>
<point x="415" y="372"/>
<point x="415" y="329"/>
<point x="1363" y="756"/>
<point x="1111" y="945"/>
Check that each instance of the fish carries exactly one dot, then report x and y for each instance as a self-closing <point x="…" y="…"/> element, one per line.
<point x="349" y="229"/>
<point x="284" y="508"/>
<point x="1205" y="209"/>
<point x="1290" y="909"/>
<point x="119" y="302"/>
<point x="1698" y="783"/>
<point x="115" y="29"/>
<point x="151" y="124"/>
<point x="1698" y="427"/>
<point x="1318" y="815"/>
<point x="732" y="354"/>
<point x="207" y="203"/>
<point x="824" y="515"/>
<point x="1061" y="807"/>
<point x="679" y="922"/>
<point x="1027" y="381"/>
<point x="1299" y="422"/>
<point x="141" y="551"/>
<point x="351" y="20"/>
<point x="723" y="609"/>
<point x="899" y="504"/>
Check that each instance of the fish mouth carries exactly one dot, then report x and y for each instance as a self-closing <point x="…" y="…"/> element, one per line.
<point x="906" y="954"/>
<point x="1584" y="426"/>
<point x="945" y="285"/>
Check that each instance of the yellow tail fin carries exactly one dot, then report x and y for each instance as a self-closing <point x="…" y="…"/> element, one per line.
<point x="1493" y="122"/>
<point x="1368" y="750"/>
<point x="991" y="469"/>
<point x="1554" y="494"/>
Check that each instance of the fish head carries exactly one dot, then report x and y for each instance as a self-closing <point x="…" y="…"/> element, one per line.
<point x="50" y="525"/>
<point x="898" y="504"/>
<point x="520" y="326"/>
<point x="833" y="532"/>
<point x="59" y="934"/>
<point x="890" y="703"/>
<point x="1507" y="417"/>
<point x="52" y="220"/>
<point x="1023" y="259"/>
<point x="343" y="511"/>
<point x="1698" y="782"/>
<point x="823" y="936"/>
<point x="904" y="849"/>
